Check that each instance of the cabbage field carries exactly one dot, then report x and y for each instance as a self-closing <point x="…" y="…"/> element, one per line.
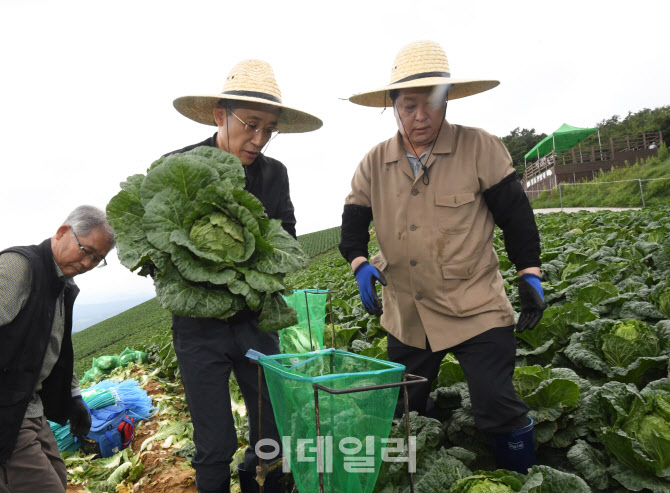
<point x="594" y="372"/>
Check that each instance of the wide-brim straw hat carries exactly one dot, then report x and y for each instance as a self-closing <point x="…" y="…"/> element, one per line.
<point x="422" y="64"/>
<point x="252" y="81"/>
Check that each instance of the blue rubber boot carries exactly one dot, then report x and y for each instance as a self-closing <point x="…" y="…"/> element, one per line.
<point x="248" y="484"/>
<point x="515" y="451"/>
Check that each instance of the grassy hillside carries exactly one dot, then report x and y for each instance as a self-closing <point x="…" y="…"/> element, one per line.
<point x="321" y="241"/>
<point x="132" y="329"/>
<point x="599" y="193"/>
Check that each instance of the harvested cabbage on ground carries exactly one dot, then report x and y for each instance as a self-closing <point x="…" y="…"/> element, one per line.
<point x="206" y="242"/>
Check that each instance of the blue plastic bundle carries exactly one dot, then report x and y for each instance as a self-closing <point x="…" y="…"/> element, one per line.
<point x="128" y="394"/>
<point x="108" y="392"/>
<point x="63" y="437"/>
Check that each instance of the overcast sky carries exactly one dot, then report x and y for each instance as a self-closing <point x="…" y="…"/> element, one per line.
<point x="86" y="88"/>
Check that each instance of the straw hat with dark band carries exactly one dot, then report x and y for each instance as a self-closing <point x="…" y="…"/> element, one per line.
<point x="253" y="81"/>
<point x="422" y="64"/>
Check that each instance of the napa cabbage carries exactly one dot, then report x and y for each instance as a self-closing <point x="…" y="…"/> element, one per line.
<point x="628" y="350"/>
<point x="634" y="427"/>
<point x="628" y="340"/>
<point x="206" y="242"/>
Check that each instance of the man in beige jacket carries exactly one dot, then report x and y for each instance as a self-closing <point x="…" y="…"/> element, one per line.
<point x="436" y="190"/>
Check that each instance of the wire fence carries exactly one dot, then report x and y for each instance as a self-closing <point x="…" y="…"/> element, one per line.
<point x="562" y="188"/>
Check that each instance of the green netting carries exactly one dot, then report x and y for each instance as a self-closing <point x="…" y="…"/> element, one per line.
<point x="105" y="364"/>
<point x="310" y="305"/>
<point x="347" y="420"/>
<point x="128" y="356"/>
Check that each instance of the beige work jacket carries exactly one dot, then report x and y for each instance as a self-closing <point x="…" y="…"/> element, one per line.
<point x="436" y="240"/>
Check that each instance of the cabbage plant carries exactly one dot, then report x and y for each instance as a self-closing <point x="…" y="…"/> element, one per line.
<point x="552" y="394"/>
<point x="206" y="242"/>
<point x="629" y="350"/>
<point x="660" y="295"/>
<point x="553" y="332"/>
<point x="538" y="479"/>
<point x="449" y="470"/>
<point x="634" y="428"/>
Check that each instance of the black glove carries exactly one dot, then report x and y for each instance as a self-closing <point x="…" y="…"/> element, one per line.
<point x="366" y="277"/>
<point x="532" y="302"/>
<point x="80" y="418"/>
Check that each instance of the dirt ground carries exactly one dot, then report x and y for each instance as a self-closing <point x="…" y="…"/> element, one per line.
<point x="163" y="472"/>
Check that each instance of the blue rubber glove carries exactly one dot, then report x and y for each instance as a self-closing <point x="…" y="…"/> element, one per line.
<point x="80" y="418"/>
<point x="366" y="277"/>
<point x="532" y="302"/>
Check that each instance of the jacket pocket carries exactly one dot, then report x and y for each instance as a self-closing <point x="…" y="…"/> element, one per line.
<point x="379" y="261"/>
<point x="468" y="286"/>
<point x="466" y="269"/>
<point x="455" y="212"/>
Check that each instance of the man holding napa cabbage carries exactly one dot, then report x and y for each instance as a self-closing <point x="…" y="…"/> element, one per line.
<point x="248" y="114"/>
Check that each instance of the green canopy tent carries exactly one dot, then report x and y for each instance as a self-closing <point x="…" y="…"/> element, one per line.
<point x="564" y="137"/>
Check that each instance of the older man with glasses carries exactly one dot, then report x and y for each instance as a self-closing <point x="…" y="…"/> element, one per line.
<point x="248" y="113"/>
<point x="37" y="381"/>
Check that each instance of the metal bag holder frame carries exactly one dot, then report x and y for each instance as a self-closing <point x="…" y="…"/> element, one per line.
<point x="407" y="379"/>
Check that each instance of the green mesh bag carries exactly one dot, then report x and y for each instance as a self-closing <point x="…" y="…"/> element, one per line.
<point x="106" y="363"/>
<point x="129" y="356"/>
<point x="310" y="305"/>
<point x="346" y="420"/>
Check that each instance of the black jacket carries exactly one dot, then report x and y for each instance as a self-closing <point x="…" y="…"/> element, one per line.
<point x="24" y="344"/>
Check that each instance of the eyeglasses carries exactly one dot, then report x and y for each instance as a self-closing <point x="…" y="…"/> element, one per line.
<point x="93" y="258"/>
<point x="251" y="128"/>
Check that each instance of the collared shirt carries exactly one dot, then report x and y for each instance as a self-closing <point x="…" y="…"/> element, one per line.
<point x="15" y="282"/>
<point x="414" y="161"/>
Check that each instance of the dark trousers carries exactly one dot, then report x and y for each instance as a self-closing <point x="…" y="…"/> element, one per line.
<point x="35" y="463"/>
<point x="207" y="350"/>
<point x="488" y="363"/>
